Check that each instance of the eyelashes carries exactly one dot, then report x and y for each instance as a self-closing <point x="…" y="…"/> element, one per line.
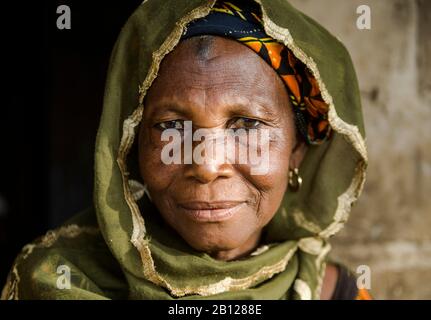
<point x="234" y="123"/>
<point x="171" y="124"/>
<point x="246" y="123"/>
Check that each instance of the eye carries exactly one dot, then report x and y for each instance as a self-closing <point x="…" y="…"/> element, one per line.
<point x="172" y="124"/>
<point x="245" y="123"/>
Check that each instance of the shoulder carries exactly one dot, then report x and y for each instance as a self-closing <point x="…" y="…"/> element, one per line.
<point x="339" y="283"/>
<point x="71" y="250"/>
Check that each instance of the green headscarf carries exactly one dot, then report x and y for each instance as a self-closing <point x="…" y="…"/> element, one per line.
<point x="122" y="248"/>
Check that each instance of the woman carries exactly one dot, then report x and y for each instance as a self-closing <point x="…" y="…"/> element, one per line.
<point x="217" y="228"/>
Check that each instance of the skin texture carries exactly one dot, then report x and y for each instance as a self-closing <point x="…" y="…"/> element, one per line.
<point x="213" y="84"/>
<point x="218" y="83"/>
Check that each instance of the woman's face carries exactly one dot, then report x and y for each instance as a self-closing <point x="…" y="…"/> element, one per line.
<point x="218" y="207"/>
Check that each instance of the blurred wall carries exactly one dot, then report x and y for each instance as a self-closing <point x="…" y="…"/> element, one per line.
<point x="390" y="227"/>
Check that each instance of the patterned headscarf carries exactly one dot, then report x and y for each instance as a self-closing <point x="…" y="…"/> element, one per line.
<point x="242" y="22"/>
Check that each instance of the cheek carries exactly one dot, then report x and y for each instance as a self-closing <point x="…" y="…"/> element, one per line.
<point x="275" y="160"/>
<point x="272" y="185"/>
<point x="157" y="175"/>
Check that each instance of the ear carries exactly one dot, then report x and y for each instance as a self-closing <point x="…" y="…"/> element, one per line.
<point x="298" y="154"/>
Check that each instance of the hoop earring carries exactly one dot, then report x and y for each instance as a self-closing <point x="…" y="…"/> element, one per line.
<point x="295" y="181"/>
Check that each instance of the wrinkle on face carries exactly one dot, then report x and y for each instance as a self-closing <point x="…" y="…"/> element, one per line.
<point x="211" y="84"/>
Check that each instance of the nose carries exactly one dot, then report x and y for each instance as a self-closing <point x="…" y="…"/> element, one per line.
<point x="211" y="162"/>
<point x="208" y="171"/>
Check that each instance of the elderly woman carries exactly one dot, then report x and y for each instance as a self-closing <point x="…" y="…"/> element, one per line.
<point x="215" y="228"/>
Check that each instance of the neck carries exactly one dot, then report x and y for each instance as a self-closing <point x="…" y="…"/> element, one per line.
<point x="237" y="253"/>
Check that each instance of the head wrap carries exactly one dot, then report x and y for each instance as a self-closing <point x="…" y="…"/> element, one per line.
<point x="241" y="21"/>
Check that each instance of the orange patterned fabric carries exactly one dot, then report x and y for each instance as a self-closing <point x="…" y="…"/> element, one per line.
<point x="363" y="294"/>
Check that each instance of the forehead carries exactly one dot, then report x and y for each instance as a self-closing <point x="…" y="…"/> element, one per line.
<point x="216" y="71"/>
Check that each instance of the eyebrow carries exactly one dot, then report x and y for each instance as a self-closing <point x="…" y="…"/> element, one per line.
<point x="258" y="110"/>
<point x="170" y="107"/>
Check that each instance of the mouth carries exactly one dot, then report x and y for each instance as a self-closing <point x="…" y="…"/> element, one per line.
<point x="211" y="211"/>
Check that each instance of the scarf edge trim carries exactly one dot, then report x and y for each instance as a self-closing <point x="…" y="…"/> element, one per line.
<point x="10" y="289"/>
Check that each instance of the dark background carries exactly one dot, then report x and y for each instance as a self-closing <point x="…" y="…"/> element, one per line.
<point x="52" y="92"/>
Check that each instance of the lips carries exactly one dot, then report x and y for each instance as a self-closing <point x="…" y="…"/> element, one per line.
<point x="211" y="211"/>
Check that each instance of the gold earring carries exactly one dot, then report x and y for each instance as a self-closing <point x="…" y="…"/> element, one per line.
<point x="295" y="180"/>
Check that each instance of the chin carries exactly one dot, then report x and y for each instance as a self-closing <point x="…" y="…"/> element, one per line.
<point x="212" y="238"/>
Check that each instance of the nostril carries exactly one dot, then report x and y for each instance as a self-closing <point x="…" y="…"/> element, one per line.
<point x="208" y="172"/>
